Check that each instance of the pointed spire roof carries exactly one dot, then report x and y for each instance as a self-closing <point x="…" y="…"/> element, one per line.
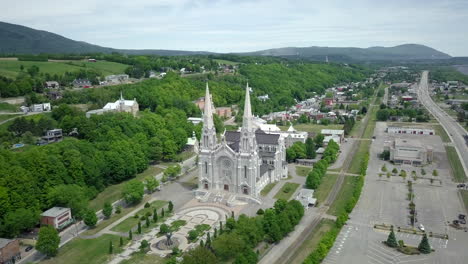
<point x="247" y="119"/>
<point x="121" y="96"/>
<point x="208" y="113"/>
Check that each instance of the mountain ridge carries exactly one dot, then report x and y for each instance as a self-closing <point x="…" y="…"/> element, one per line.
<point x="17" y="39"/>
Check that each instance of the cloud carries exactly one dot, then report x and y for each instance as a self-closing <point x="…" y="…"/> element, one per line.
<point x="243" y="25"/>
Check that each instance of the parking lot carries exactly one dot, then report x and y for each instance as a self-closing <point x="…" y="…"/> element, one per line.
<point x="384" y="200"/>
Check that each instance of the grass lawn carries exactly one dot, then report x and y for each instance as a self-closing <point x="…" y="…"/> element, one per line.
<point x="36" y="117"/>
<point x="314" y="128"/>
<point x="369" y="131"/>
<point x="8" y="107"/>
<point x="464" y="194"/>
<point x="5" y="117"/>
<point x="131" y="222"/>
<point x="114" y="192"/>
<point x="302" y="170"/>
<point x="11" y="68"/>
<point x="355" y="130"/>
<point x="186" y="155"/>
<point x="439" y="130"/>
<point x="346" y="192"/>
<point x="455" y="164"/>
<point x="143" y="258"/>
<point x="267" y="189"/>
<point x="325" y="187"/>
<point x="312" y="241"/>
<point x="287" y="191"/>
<point x="363" y="148"/>
<point x="227" y="62"/>
<point x="89" y="251"/>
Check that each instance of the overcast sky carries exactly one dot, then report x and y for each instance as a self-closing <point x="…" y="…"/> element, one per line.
<point x="248" y="25"/>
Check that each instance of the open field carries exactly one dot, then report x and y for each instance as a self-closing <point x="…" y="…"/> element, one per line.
<point x="312" y="241"/>
<point x="325" y="187"/>
<point x="314" y="128"/>
<point x="142" y="258"/>
<point x="369" y="131"/>
<point x="457" y="168"/>
<point x="131" y="222"/>
<point x="227" y="62"/>
<point x="11" y="68"/>
<point x="363" y="148"/>
<point x="286" y="191"/>
<point x="267" y="189"/>
<point x="89" y="251"/>
<point x="345" y="194"/>
<point x="302" y="170"/>
<point x="464" y="194"/>
<point x="439" y="130"/>
<point x="5" y="117"/>
<point x="8" y="107"/>
<point x="114" y="192"/>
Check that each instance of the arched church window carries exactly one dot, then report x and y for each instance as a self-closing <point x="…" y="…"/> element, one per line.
<point x="206" y="167"/>
<point x="245" y="172"/>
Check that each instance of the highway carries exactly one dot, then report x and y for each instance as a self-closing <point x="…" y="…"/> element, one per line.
<point x="454" y="130"/>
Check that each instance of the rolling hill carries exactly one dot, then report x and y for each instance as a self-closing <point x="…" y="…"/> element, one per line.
<point x="16" y="39"/>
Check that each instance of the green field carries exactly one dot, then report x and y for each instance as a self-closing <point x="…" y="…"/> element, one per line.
<point x="8" y="107"/>
<point x="114" y="192"/>
<point x="143" y="258"/>
<point x="89" y="251"/>
<point x="302" y="170"/>
<point x="267" y="189"/>
<point x="464" y="194"/>
<point x="5" y="117"/>
<point x="457" y="168"/>
<point x="314" y="128"/>
<point x="286" y="191"/>
<point x="369" y="131"/>
<point x="346" y="192"/>
<point x="11" y="68"/>
<point x="227" y="62"/>
<point x="363" y="148"/>
<point x="131" y="222"/>
<point x="325" y="187"/>
<point x="311" y="243"/>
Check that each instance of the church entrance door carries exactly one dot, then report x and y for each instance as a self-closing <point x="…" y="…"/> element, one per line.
<point x="206" y="186"/>
<point x="226" y="187"/>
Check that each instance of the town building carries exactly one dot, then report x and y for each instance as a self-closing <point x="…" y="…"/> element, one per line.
<point x="334" y="134"/>
<point x="243" y="163"/>
<point x="51" y="136"/>
<point x="82" y="83"/>
<point x="410" y="130"/>
<point x="328" y="101"/>
<point x="58" y="217"/>
<point x="121" y="105"/>
<point x="54" y="95"/>
<point x="195" y="120"/>
<point x="192" y="143"/>
<point x="9" y="251"/>
<point x="306" y="198"/>
<point x="225" y="112"/>
<point x="117" y="79"/>
<point x="52" y="85"/>
<point x="404" y="152"/>
<point x="45" y="107"/>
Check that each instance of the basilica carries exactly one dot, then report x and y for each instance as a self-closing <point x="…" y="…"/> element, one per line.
<point x="242" y="162"/>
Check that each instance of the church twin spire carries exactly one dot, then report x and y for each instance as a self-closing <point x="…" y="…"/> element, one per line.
<point x="247" y="138"/>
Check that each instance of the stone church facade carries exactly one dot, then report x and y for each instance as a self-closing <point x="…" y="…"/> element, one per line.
<point x="244" y="161"/>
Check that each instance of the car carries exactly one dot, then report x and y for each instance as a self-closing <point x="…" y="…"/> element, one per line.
<point x="421" y="227"/>
<point x="462" y="221"/>
<point x="461" y="216"/>
<point x="461" y="185"/>
<point x="28" y="248"/>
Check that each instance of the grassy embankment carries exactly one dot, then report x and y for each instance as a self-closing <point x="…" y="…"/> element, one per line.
<point x="312" y="128"/>
<point x="325" y="187"/>
<point x="268" y="188"/>
<point x="303" y="171"/>
<point x="457" y="168"/>
<point x="89" y="251"/>
<point x="286" y="191"/>
<point x="132" y="222"/>
<point x="11" y="68"/>
<point x="464" y="194"/>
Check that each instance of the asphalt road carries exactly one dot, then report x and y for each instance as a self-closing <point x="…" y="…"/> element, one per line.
<point x="454" y="130"/>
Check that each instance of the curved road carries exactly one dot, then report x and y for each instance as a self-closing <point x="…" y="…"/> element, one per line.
<point x="454" y="130"/>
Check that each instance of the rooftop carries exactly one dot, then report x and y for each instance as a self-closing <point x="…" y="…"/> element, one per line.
<point x="55" y="211"/>
<point x="332" y="131"/>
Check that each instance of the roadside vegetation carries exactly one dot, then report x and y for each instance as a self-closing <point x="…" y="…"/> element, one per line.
<point x="286" y="191"/>
<point x="457" y="168"/>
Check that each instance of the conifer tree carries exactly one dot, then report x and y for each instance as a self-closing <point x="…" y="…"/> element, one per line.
<point x="215" y="233"/>
<point x="202" y="244"/>
<point x="155" y="216"/>
<point x="130" y="235"/>
<point x="424" y="246"/>
<point x="391" y="240"/>
<point x="162" y="212"/>
<point x="170" y="207"/>
<point x="139" y="228"/>
<point x="208" y="240"/>
<point x="111" y="249"/>
<point x="121" y="241"/>
<point x="147" y="222"/>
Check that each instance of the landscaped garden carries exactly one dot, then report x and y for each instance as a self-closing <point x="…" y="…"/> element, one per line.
<point x="141" y="215"/>
<point x="286" y="191"/>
